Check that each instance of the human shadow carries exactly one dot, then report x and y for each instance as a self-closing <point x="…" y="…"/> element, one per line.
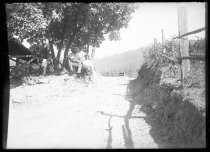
<point x="109" y="140"/>
<point x="126" y="131"/>
<point x="127" y="134"/>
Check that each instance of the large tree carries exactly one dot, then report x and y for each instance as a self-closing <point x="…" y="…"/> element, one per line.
<point x="67" y="24"/>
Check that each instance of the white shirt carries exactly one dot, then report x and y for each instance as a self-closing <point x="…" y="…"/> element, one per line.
<point x="81" y="55"/>
<point x="88" y="64"/>
<point x="45" y="62"/>
<point x="77" y="56"/>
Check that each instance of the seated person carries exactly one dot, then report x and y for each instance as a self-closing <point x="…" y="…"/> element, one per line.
<point x="75" y="59"/>
<point x="46" y="62"/>
<point x="88" y="65"/>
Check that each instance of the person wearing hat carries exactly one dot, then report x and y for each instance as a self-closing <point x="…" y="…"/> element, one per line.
<point x="75" y="59"/>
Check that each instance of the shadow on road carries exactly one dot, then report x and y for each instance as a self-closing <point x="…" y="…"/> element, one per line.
<point x="127" y="134"/>
<point x="109" y="141"/>
<point x="15" y="82"/>
<point x="126" y="131"/>
<point x="156" y="128"/>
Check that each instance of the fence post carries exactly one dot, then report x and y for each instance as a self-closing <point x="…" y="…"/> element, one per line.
<point x="155" y="44"/>
<point x="163" y="41"/>
<point x="163" y="36"/>
<point x="155" y="48"/>
<point x="184" y="43"/>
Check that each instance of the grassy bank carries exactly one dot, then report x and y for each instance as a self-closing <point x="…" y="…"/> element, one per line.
<point x="174" y="118"/>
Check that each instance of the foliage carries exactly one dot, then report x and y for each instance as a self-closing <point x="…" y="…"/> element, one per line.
<point x="67" y="24"/>
<point x="115" y="35"/>
<point x="197" y="46"/>
<point x="25" y="21"/>
<point x="197" y="73"/>
<point x="170" y="48"/>
<point x="175" y="115"/>
<point x="196" y="78"/>
<point x="64" y="25"/>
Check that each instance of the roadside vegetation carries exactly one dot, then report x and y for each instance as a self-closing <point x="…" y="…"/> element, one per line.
<point x="175" y="112"/>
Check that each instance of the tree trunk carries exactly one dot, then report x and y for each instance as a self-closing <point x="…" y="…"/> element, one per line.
<point x="94" y="44"/>
<point x="88" y="47"/>
<point x="74" y="34"/>
<point x="76" y="31"/>
<point x="93" y="52"/>
<point x="65" y="61"/>
<point x="55" y="63"/>
<point x="64" y="32"/>
<point x="59" y="52"/>
<point x="51" y="49"/>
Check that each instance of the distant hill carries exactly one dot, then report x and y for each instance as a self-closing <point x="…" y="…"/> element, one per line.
<point x="128" y="62"/>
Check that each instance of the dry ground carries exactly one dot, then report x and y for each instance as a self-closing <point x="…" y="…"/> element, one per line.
<point x="62" y="112"/>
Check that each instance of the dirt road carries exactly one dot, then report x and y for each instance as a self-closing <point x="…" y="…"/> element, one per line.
<point x="96" y="117"/>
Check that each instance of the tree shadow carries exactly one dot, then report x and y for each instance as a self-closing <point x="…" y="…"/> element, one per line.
<point x="156" y="131"/>
<point x="15" y="82"/>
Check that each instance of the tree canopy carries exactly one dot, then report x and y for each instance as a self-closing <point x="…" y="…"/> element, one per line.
<point x="67" y="24"/>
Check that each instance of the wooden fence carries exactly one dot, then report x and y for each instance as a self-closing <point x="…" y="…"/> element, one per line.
<point x="184" y="45"/>
<point x="200" y="57"/>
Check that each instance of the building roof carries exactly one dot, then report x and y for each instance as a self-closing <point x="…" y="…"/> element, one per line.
<point x="17" y="49"/>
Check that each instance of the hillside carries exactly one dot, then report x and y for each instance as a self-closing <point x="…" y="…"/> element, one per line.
<point x="128" y="62"/>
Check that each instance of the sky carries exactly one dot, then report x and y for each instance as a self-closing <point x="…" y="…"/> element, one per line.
<point x="147" y="22"/>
